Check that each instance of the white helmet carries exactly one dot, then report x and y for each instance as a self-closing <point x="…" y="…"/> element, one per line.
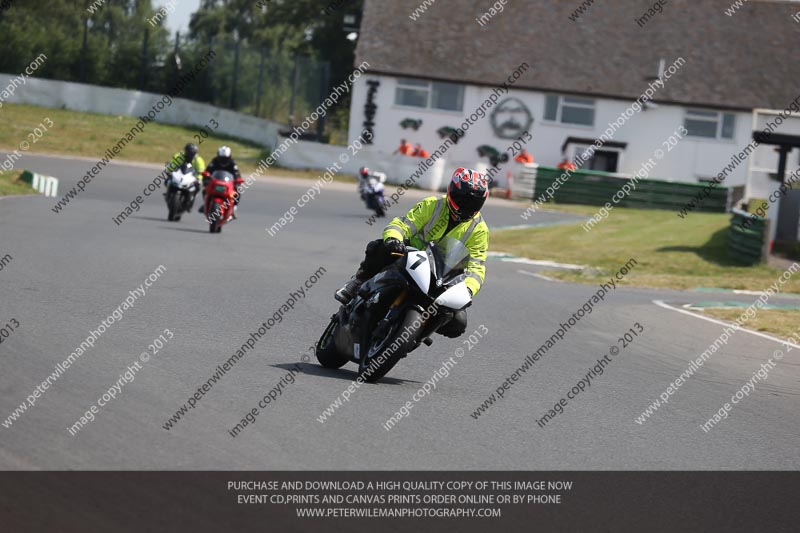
<point x="224" y="151"/>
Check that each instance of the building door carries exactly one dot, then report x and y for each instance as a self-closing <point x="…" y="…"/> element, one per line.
<point x="789" y="218"/>
<point x="604" y="160"/>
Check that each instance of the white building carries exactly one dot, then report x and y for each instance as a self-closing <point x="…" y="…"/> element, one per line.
<point x="559" y="121"/>
<point x="436" y="71"/>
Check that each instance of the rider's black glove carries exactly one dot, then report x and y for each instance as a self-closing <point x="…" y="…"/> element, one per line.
<point x="395" y="246"/>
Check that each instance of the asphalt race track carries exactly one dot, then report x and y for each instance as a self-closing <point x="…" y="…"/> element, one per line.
<point x="73" y="269"/>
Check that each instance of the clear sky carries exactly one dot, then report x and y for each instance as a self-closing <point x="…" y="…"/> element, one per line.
<point x="179" y="18"/>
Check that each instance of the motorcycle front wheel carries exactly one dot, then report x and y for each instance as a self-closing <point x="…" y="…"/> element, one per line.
<point x="386" y="346"/>
<point x="215" y="215"/>
<point x="326" y="352"/>
<point x="179" y="206"/>
<point x="172" y="205"/>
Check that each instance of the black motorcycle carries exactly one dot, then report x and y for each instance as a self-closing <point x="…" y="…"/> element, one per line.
<point x="397" y="310"/>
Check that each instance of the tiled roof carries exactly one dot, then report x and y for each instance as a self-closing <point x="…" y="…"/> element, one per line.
<point x="747" y="60"/>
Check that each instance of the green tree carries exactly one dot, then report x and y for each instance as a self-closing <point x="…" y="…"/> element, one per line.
<point x="286" y="36"/>
<point x="287" y="31"/>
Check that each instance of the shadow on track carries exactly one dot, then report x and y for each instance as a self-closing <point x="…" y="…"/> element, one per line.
<point x="150" y="218"/>
<point x="344" y="374"/>
<point x="192" y="230"/>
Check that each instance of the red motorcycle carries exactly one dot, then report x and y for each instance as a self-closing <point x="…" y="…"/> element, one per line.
<point x="219" y="201"/>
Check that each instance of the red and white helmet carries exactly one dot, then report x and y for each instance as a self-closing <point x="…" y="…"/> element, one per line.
<point x="466" y="193"/>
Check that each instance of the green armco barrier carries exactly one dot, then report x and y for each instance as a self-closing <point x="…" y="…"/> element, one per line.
<point x="47" y="185"/>
<point x="748" y="244"/>
<point x="593" y="187"/>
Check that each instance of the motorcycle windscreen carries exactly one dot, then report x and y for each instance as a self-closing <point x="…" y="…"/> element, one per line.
<point x="449" y="254"/>
<point x="222" y="175"/>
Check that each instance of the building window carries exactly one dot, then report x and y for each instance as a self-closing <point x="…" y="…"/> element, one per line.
<point x="569" y="110"/>
<point x="427" y="94"/>
<point x="710" y="124"/>
<point x="447" y="96"/>
<point x="412" y="93"/>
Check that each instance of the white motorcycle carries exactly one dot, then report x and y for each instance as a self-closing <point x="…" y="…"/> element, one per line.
<point x="397" y="310"/>
<point x="182" y="186"/>
<point x="371" y="191"/>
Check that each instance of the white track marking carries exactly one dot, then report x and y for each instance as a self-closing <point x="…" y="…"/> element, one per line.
<point x="540" y="276"/>
<point x="508" y="258"/>
<point x="721" y="323"/>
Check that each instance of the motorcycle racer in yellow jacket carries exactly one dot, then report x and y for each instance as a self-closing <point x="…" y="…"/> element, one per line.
<point x="456" y="214"/>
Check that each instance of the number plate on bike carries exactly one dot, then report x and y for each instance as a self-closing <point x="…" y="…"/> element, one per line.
<point x="220" y="188"/>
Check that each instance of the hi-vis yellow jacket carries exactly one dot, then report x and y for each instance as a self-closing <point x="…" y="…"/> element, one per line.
<point x="427" y="222"/>
<point x="177" y="160"/>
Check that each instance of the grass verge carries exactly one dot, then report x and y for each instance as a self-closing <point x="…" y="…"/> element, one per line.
<point x="671" y="252"/>
<point x="89" y="135"/>
<point x="782" y="322"/>
<point x="9" y="185"/>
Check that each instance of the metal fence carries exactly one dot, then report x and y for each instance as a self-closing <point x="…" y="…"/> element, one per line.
<point x="282" y="85"/>
<point x="597" y="188"/>
<point x="255" y="81"/>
